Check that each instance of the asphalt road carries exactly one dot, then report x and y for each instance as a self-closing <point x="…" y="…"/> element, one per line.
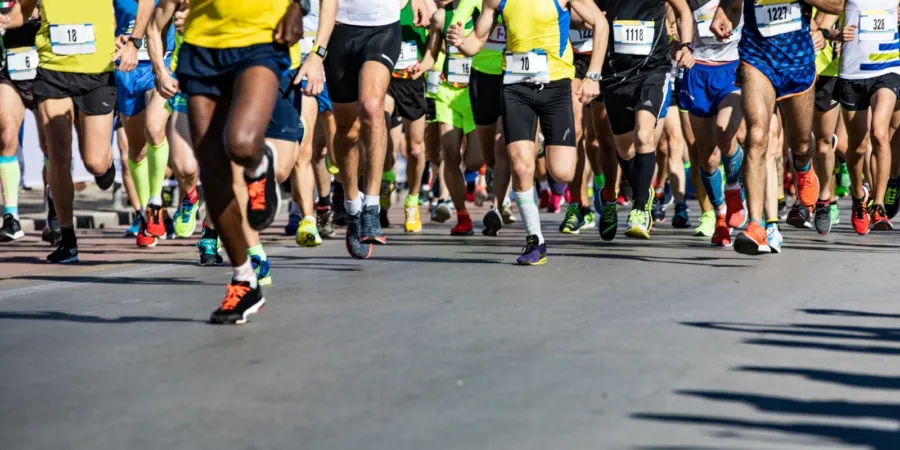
<point x="440" y="343"/>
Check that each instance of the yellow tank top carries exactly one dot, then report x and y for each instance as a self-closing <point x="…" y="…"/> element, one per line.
<point x="77" y="36"/>
<point x="539" y="25"/>
<point x="224" y="24"/>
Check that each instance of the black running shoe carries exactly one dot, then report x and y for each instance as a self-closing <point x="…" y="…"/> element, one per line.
<point x="658" y="211"/>
<point x="822" y="218"/>
<point x="106" y="180"/>
<point x="65" y="253"/>
<point x="356" y="248"/>
<point x="370" y="226"/>
<point x="383" y="219"/>
<point x="799" y="216"/>
<point x="325" y="221"/>
<point x="263" y="195"/>
<point x="493" y="222"/>
<point x="782" y="209"/>
<point x="609" y="221"/>
<point x="681" y="218"/>
<point x="240" y="302"/>
<point x="892" y="197"/>
<point x="11" y="229"/>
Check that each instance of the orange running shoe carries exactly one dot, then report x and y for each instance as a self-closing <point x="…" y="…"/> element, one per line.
<point x="808" y="187"/>
<point x="752" y="241"/>
<point x="879" y="218"/>
<point x="463" y="225"/>
<point x="143" y="239"/>
<point x="154" y="224"/>
<point x="240" y="302"/>
<point x="722" y="235"/>
<point x="736" y="216"/>
<point x="859" y="217"/>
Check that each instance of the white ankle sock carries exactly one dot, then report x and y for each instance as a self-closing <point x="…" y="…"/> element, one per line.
<point x="244" y="272"/>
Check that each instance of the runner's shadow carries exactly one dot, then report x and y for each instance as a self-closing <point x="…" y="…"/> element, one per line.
<point x="57" y="316"/>
<point x="167" y="281"/>
<point x="849" y="313"/>
<point x="849" y="379"/>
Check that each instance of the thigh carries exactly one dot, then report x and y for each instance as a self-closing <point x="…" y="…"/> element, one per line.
<point x="56" y="117"/>
<point x="344" y="63"/>
<point x="373" y="81"/>
<point x="554" y="104"/>
<point x="12" y="110"/>
<point x="95" y="132"/>
<point x="255" y="93"/>
<point x="758" y="102"/>
<point x="519" y="114"/>
<point x="797" y="115"/>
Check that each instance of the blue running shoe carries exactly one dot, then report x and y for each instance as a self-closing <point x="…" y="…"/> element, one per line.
<point x="135" y="227"/>
<point x="261" y="268"/>
<point x="681" y="219"/>
<point x="293" y="224"/>
<point x="534" y="253"/>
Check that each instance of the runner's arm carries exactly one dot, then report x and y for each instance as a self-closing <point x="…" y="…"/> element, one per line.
<point x="684" y="55"/>
<point x="829" y="6"/>
<point x="595" y="20"/>
<point x="472" y="44"/>
<point x="313" y="68"/>
<point x="160" y="18"/>
<point x="19" y="13"/>
<point x="432" y="45"/>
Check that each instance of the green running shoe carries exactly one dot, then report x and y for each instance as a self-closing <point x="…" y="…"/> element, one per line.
<point x="638" y="224"/>
<point x="707" y="224"/>
<point x="834" y="213"/>
<point x="186" y="218"/>
<point x="590" y="217"/>
<point x="842" y="187"/>
<point x="609" y="221"/>
<point x="573" y="220"/>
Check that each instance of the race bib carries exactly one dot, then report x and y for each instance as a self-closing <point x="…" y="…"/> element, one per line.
<point x="433" y="80"/>
<point x="72" y="39"/>
<point x="409" y="56"/>
<point x="582" y="40"/>
<point x="497" y="39"/>
<point x="22" y="63"/>
<point x="877" y="25"/>
<point x="703" y="18"/>
<point x="774" y="17"/>
<point x="633" y="37"/>
<point x="459" y="66"/>
<point x="528" y="67"/>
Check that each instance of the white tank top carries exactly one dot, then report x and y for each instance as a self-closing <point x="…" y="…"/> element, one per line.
<point x="874" y="50"/>
<point x="368" y="13"/>
<point x="706" y="47"/>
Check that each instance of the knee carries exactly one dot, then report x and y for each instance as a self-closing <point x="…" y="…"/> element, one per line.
<point x="371" y="109"/>
<point x="155" y="133"/>
<point x="243" y="145"/>
<point x="9" y="140"/>
<point x="416" y="149"/>
<point x="712" y="161"/>
<point x="562" y="173"/>
<point x="643" y="140"/>
<point x="759" y="139"/>
<point x="97" y="163"/>
<point x="823" y="146"/>
<point x="523" y="170"/>
<point x="881" y="139"/>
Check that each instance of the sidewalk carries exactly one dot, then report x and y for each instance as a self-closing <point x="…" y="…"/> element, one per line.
<point x="93" y="209"/>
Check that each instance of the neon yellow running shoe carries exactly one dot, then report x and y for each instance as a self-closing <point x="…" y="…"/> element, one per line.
<point x="413" y="223"/>
<point x="308" y="234"/>
<point x="707" y="224"/>
<point x="638" y="224"/>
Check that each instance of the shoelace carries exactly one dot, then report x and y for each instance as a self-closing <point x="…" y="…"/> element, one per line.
<point x="257" y="192"/>
<point x="411" y="213"/>
<point x="804" y="182"/>
<point x="186" y="205"/>
<point x="859" y="209"/>
<point x="155" y="215"/>
<point x="235" y="294"/>
<point x="321" y="218"/>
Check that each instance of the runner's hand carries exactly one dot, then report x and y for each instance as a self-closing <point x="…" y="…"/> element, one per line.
<point x="848" y="34"/>
<point x="4" y="21"/>
<point x="417" y="70"/>
<point x="121" y="40"/>
<point x="127" y="56"/>
<point x="166" y="85"/>
<point x="818" y="40"/>
<point x="588" y="91"/>
<point x="314" y="73"/>
<point x="721" y="26"/>
<point x="290" y="27"/>
<point x="685" y="57"/>
<point x="456" y="34"/>
<point x="422" y="11"/>
<point x="179" y="19"/>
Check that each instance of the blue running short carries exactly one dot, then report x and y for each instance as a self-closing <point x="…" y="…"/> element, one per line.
<point x="787" y="60"/>
<point x="132" y="88"/>
<point x="211" y="72"/>
<point x="667" y="102"/>
<point x="705" y="86"/>
<point x="285" y="122"/>
<point x="322" y="99"/>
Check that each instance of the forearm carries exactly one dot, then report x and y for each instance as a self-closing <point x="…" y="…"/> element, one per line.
<point x="327" y="18"/>
<point x="155" y="42"/>
<point x="600" y="42"/>
<point x="828" y="6"/>
<point x="144" y="11"/>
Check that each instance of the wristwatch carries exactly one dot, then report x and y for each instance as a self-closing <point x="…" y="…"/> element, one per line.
<point x="138" y="42"/>
<point x="689" y="46"/>
<point x="321" y="51"/>
<point x="593" y="76"/>
<point x="825" y="33"/>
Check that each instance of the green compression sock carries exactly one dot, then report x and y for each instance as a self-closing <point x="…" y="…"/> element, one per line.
<point x="159" y="159"/>
<point x="10" y="177"/>
<point x="140" y="174"/>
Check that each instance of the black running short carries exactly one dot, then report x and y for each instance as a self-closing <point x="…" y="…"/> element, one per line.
<point x="856" y="95"/>
<point x="825" y="93"/>
<point x="430" y="112"/>
<point x="351" y="47"/>
<point x="92" y="94"/>
<point x="409" y="97"/>
<point x="524" y="104"/>
<point x="486" y="97"/>
<point x="24" y="88"/>
<point x="626" y="96"/>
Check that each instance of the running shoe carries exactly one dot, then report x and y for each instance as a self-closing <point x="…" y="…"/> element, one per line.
<point x="590" y="217"/>
<point x="774" y="237"/>
<point x="240" y="302"/>
<point x="170" y="227"/>
<point x="209" y="252"/>
<point x="135" y="227"/>
<point x="799" y="216"/>
<point x="352" y="241"/>
<point x="441" y="212"/>
<point x="658" y="211"/>
<point x="308" y="234"/>
<point x="609" y="221"/>
<point x="782" y="209"/>
<point x="554" y="205"/>
<point x="154" y="225"/>
<point x="834" y="213"/>
<point x="481" y="195"/>
<point x="383" y="219"/>
<point x="11" y="229"/>
<point x="507" y="214"/>
<point x="573" y="221"/>
<point x="807" y="187"/>
<point x="736" y="215"/>
<point x="264" y="194"/>
<point x="293" y="224"/>
<point x="544" y="199"/>
<point x="534" y="253"/>
<point x="879" y="218"/>
<point x="370" y="226"/>
<point x="892" y="197"/>
<point x="463" y="226"/>
<point x="493" y="222"/>
<point x="822" y="218"/>
<point x="707" y="224"/>
<point x="261" y="269"/>
<point x="65" y="253"/>
<point x="722" y="235"/>
<point x="186" y="218"/>
<point x="325" y="221"/>
<point x="385" y="200"/>
<point x="859" y="218"/>
<point x="681" y="219"/>
<point x="638" y="225"/>
<point x="842" y="186"/>
<point x="413" y="222"/>
<point x="144" y="240"/>
<point x="752" y="241"/>
<point x="108" y="178"/>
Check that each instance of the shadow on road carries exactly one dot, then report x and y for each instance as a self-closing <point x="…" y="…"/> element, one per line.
<point x="87" y="318"/>
<point x="801" y="417"/>
<point x="165" y="281"/>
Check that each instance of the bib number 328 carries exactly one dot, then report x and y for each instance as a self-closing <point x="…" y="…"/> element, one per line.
<point x="877" y="25"/>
